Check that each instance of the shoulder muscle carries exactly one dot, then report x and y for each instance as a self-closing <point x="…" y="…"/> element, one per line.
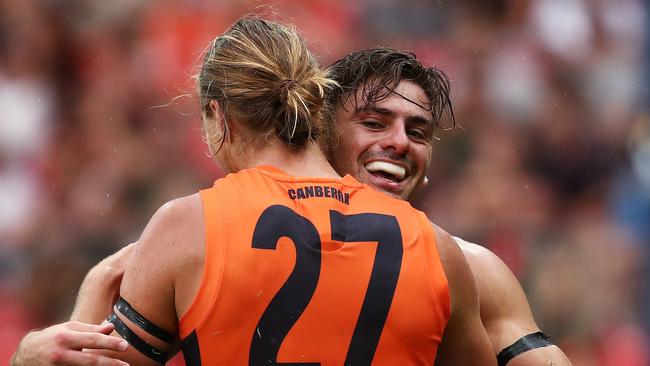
<point x="505" y="311"/>
<point x="464" y="330"/>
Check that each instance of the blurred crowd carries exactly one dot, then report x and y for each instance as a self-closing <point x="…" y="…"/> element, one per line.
<point x="548" y="164"/>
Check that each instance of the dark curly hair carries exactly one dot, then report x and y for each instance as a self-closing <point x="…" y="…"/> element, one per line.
<point x="378" y="71"/>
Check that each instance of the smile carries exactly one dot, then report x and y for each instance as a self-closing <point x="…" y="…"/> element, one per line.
<point x="386" y="170"/>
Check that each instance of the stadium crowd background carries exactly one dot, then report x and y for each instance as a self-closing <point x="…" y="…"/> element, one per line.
<point x="549" y="165"/>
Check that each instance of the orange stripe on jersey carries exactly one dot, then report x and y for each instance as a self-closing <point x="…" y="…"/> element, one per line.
<point x="314" y="271"/>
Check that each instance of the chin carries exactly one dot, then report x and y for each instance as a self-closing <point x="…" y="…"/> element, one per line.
<point x="396" y="195"/>
<point x="404" y="195"/>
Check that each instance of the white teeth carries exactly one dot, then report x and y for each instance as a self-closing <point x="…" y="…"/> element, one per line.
<point x="382" y="166"/>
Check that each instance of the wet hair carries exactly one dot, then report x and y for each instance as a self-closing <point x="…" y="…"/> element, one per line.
<point x="378" y="71"/>
<point x="262" y="75"/>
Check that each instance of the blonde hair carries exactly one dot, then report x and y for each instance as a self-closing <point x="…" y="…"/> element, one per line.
<point x="261" y="74"/>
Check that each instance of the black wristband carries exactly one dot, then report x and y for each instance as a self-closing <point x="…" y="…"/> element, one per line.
<point x="524" y="344"/>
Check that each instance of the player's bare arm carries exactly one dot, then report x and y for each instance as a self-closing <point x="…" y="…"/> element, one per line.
<point x="505" y="312"/>
<point x="100" y="288"/>
<point x="62" y="344"/>
<point x="464" y="331"/>
<point x="160" y="280"/>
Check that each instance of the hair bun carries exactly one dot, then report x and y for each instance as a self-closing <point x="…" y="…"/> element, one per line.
<point x="282" y="89"/>
<point x="267" y="80"/>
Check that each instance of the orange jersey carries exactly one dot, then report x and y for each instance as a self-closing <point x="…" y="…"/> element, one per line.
<point x="314" y="271"/>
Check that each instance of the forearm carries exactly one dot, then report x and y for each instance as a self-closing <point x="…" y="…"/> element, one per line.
<point x="95" y="299"/>
<point x="100" y="288"/>
<point x="16" y="359"/>
<point x="28" y="351"/>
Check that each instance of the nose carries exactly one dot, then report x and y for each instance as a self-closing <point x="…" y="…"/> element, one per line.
<point x="396" y="139"/>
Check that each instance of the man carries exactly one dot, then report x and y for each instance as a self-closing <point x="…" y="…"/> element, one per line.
<point x="384" y="140"/>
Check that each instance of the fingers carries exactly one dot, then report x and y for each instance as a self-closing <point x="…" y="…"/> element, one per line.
<point x="104" y="328"/>
<point x="79" y="340"/>
<point x="81" y="335"/>
<point x="76" y="358"/>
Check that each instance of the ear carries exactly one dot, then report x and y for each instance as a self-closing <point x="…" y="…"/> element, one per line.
<point x="215" y="119"/>
<point x="218" y="114"/>
<point x="215" y="108"/>
<point x="220" y="118"/>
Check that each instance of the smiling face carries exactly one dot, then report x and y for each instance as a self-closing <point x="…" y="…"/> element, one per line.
<point x="386" y="145"/>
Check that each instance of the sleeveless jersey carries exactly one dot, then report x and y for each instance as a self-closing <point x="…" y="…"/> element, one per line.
<point x="314" y="271"/>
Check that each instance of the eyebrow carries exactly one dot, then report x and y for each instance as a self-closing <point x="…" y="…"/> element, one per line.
<point x="389" y="113"/>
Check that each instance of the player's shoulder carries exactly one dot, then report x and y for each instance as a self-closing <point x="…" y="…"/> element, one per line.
<point x="505" y="311"/>
<point x="448" y="248"/>
<point x="174" y="219"/>
<point x="480" y="257"/>
<point x="474" y="250"/>
<point x="180" y="209"/>
<point x="500" y="292"/>
<point x="172" y="238"/>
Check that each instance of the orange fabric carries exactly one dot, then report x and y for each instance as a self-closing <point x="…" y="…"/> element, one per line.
<point x="240" y="281"/>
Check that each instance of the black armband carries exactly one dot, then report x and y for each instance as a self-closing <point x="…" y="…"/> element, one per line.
<point x="138" y="343"/>
<point x="139" y="320"/>
<point x="524" y="344"/>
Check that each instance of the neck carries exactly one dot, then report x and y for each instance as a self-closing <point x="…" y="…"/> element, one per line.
<point x="309" y="161"/>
